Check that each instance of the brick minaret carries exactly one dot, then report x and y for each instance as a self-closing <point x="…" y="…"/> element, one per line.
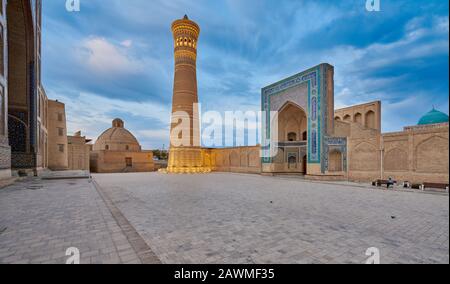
<point x="185" y="155"/>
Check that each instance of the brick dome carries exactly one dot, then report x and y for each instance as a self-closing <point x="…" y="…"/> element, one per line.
<point x="117" y="138"/>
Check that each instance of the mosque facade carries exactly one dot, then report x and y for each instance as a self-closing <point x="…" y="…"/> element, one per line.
<point x="303" y="133"/>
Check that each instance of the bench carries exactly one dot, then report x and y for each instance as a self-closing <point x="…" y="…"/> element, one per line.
<point x="416" y="186"/>
<point x="432" y="185"/>
<point x="381" y="182"/>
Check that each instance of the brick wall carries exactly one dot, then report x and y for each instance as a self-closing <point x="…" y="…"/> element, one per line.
<point x="78" y="153"/>
<point x="115" y="161"/>
<point x="237" y="160"/>
<point x="57" y="136"/>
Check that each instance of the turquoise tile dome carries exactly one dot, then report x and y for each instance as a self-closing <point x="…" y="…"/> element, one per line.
<point x="433" y="117"/>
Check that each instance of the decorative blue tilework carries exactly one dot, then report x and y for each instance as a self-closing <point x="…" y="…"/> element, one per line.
<point x="312" y="78"/>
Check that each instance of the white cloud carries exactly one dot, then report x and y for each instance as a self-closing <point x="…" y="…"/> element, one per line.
<point x="92" y="114"/>
<point x="104" y="57"/>
<point x="127" y="43"/>
<point x="441" y="24"/>
<point x="352" y="64"/>
<point x="232" y="40"/>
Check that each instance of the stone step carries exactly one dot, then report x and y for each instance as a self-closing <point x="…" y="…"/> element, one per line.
<point x="55" y="175"/>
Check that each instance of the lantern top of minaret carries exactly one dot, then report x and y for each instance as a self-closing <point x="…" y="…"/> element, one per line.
<point x="185" y="23"/>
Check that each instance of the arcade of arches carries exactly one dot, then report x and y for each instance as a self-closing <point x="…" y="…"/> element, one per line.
<point x="367" y="115"/>
<point x="416" y="154"/>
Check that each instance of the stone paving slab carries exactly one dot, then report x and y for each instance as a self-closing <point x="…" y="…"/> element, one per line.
<point x="231" y="218"/>
<point x="217" y="218"/>
<point x="55" y="175"/>
<point x="144" y="252"/>
<point x="42" y="219"/>
<point x="398" y="187"/>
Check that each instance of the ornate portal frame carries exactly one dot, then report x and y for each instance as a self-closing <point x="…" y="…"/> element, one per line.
<point x="319" y="106"/>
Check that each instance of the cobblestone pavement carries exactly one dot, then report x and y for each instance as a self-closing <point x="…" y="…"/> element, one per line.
<point x="232" y="218"/>
<point x="42" y="219"/>
<point x="217" y="218"/>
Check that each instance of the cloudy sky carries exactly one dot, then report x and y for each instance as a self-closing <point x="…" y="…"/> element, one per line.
<point x="115" y="58"/>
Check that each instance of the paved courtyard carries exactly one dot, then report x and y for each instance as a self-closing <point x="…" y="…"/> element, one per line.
<point x="40" y="220"/>
<point x="218" y="218"/>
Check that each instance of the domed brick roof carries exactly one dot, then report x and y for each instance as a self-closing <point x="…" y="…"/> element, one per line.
<point x="117" y="138"/>
<point x="433" y="117"/>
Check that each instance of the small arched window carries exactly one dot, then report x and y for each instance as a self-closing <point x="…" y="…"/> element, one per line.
<point x="358" y="118"/>
<point x="370" y="119"/>
<point x="347" y="118"/>
<point x="107" y="147"/>
<point x="305" y="136"/>
<point x="127" y="147"/>
<point x="292" y="137"/>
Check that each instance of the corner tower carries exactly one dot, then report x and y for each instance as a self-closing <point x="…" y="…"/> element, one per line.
<point x="185" y="154"/>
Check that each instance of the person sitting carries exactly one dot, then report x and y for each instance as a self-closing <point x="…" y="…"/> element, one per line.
<point x="390" y="183"/>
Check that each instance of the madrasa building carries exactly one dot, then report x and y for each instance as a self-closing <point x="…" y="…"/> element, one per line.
<point x="26" y="113"/>
<point x="309" y="137"/>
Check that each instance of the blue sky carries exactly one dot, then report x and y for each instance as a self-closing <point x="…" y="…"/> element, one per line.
<point x="115" y="58"/>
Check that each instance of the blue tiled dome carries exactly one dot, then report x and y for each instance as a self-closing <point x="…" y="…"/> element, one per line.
<point x="433" y="117"/>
